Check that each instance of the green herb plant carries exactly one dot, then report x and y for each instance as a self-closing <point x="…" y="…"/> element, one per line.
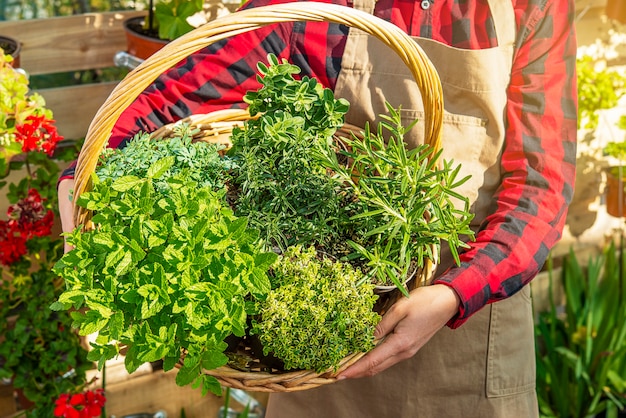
<point x="203" y="164"/>
<point x="282" y="189"/>
<point x="168" y="269"/>
<point x="315" y="303"/>
<point x="406" y="201"/>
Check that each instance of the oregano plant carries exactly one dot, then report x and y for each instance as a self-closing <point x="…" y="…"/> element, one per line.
<point x="200" y="160"/>
<point x="283" y="191"/>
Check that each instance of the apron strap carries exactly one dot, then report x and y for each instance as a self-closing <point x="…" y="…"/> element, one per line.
<point x="503" y="17"/>
<point x="364" y="5"/>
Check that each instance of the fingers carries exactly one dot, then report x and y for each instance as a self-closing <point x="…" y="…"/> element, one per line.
<point x="387" y="323"/>
<point x="406" y="328"/>
<point x="394" y="349"/>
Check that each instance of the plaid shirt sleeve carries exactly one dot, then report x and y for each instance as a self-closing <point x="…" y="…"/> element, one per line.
<point x="538" y="162"/>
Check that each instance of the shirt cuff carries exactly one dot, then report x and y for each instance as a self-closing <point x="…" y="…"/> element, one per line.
<point x="68" y="173"/>
<point x="469" y="289"/>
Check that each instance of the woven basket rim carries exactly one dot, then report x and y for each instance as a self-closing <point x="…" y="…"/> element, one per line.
<point x="216" y="126"/>
<point x="243" y="21"/>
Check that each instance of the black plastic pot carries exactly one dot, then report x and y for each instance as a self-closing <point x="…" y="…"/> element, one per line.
<point x="11" y="47"/>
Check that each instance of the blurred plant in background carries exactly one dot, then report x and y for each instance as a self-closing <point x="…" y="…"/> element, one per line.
<point x="39" y="351"/>
<point x="25" y="123"/>
<point x="581" y="344"/>
<point x="37" y="9"/>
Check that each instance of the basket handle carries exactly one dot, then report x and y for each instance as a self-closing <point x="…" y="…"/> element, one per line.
<point x="240" y="22"/>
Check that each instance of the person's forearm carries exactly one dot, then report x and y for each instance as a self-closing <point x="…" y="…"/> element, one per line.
<point x="66" y="206"/>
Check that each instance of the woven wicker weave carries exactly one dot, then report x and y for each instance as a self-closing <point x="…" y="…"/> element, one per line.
<point x="217" y="126"/>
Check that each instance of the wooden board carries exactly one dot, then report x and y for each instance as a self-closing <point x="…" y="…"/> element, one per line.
<point x="70" y="43"/>
<point x="8" y="405"/>
<point x="158" y="391"/>
<point x="75" y="106"/>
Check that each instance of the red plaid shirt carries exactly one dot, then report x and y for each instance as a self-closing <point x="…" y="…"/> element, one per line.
<point x="539" y="152"/>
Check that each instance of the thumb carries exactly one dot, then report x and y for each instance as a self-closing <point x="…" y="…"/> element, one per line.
<point x="387" y="324"/>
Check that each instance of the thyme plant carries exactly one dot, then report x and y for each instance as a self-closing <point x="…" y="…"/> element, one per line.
<point x="317" y="313"/>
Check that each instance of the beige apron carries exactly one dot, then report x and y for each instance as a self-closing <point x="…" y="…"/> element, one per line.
<point x="485" y="368"/>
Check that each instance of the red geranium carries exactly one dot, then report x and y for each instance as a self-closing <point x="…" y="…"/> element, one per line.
<point x="12" y="244"/>
<point x="81" y="405"/>
<point x="28" y="219"/>
<point x="37" y="133"/>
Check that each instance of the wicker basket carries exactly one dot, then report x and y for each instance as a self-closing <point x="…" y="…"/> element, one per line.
<point x="216" y="127"/>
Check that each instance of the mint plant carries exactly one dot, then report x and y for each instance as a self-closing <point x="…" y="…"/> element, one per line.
<point x="166" y="270"/>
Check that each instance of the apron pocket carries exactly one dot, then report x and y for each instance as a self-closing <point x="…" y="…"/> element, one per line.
<point x="472" y="149"/>
<point x="511" y="352"/>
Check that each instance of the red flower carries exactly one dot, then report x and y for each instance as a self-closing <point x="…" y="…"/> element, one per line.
<point x="12" y="244"/>
<point x="37" y="134"/>
<point x="80" y="405"/>
<point x="94" y="403"/>
<point x="30" y="216"/>
<point x="28" y="219"/>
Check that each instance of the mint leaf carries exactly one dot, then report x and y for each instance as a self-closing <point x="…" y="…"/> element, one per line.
<point x="160" y="167"/>
<point x="189" y="371"/>
<point x="125" y="183"/>
<point x="211" y="384"/>
<point x="154" y="299"/>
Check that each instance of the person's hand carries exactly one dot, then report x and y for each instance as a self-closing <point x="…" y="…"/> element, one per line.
<point x="405" y="328"/>
<point x="66" y="208"/>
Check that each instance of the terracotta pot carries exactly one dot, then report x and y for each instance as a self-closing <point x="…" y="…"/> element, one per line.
<point x="616" y="10"/>
<point x="613" y="195"/>
<point x="138" y="44"/>
<point x="12" y="47"/>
